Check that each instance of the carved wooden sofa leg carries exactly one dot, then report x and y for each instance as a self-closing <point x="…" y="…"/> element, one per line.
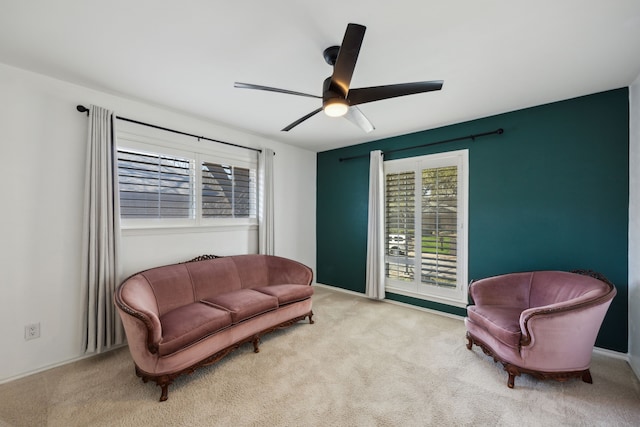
<point x="163" y="382"/>
<point x="586" y="377"/>
<point x="311" y="321"/>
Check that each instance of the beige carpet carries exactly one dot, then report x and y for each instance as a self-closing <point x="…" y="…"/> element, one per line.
<point x="363" y="363"/>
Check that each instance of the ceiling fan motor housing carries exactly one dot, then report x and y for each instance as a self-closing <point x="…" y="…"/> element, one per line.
<point x="330" y="55"/>
<point x="330" y="90"/>
<point x="334" y="102"/>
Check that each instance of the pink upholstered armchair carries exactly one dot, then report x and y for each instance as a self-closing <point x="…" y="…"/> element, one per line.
<point x="542" y="323"/>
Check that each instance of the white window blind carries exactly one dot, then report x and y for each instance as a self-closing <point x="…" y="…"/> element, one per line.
<point x="399" y="222"/>
<point x="440" y="226"/>
<point x="154" y="185"/>
<point x="228" y="191"/>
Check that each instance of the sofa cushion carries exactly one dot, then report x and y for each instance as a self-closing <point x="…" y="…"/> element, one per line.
<point x="252" y="270"/>
<point x="287" y="294"/>
<point x="190" y="323"/>
<point x="171" y="285"/>
<point x="244" y="303"/>
<point x="211" y="279"/>
<point x="501" y="322"/>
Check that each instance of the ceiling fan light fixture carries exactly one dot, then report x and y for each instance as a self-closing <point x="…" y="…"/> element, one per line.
<point x="336" y="107"/>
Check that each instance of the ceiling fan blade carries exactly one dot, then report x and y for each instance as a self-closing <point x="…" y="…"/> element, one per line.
<point x="347" y="57"/>
<point x="355" y="116"/>
<point x="272" y="89"/>
<point x="377" y="93"/>
<point x="301" y="119"/>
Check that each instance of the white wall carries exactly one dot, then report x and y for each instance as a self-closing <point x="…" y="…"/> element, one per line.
<point x="42" y="143"/>
<point x="634" y="226"/>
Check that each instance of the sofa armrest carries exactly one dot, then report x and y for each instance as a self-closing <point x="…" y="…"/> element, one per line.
<point x="504" y="290"/>
<point x="287" y="271"/>
<point x="135" y="298"/>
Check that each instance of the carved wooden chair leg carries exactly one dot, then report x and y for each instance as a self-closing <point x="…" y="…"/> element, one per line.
<point x="511" y="381"/>
<point x="586" y="377"/>
<point x="513" y="373"/>
<point x="139" y="375"/>
<point x="165" y="392"/>
<point x="469" y="342"/>
<point x="311" y="321"/>
<point x="256" y="343"/>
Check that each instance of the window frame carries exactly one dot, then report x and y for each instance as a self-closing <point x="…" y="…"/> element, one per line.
<point x="148" y="140"/>
<point x="416" y="289"/>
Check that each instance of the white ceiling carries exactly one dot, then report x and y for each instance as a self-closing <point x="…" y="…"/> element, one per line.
<point x="493" y="55"/>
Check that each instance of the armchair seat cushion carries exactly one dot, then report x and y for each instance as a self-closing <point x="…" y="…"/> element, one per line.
<point x="189" y="323"/>
<point x="244" y="303"/>
<point x="503" y="323"/>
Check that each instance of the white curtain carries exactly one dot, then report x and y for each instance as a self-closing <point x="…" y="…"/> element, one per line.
<point x="102" y="328"/>
<point x="266" y="242"/>
<point x="375" y="231"/>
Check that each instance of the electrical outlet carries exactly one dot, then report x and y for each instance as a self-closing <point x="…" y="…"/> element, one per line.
<point x="32" y="331"/>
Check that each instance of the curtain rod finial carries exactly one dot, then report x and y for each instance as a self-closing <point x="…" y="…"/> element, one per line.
<point x="82" y="109"/>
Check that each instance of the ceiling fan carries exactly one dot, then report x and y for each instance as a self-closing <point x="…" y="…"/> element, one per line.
<point x="338" y="99"/>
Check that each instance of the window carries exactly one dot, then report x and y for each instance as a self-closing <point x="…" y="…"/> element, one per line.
<point x="227" y="191"/>
<point x="425" y="216"/>
<point x="159" y="184"/>
<point x="154" y="186"/>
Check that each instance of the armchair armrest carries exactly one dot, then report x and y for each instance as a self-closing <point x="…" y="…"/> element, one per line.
<point x="558" y="322"/>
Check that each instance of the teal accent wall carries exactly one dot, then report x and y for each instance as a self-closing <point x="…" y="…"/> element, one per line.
<point x="552" y="192"/>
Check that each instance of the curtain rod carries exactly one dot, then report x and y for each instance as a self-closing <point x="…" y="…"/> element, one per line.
<point x="478" y="135"/>
<point x="83" y="109"/>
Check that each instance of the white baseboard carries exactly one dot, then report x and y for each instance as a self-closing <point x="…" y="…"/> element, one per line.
<point x="634" y="362"/>
<point x="611" y="353"/>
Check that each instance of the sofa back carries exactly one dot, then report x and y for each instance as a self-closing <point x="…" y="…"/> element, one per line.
<point x="176" y="285"/>
<point x="552" y="287"/>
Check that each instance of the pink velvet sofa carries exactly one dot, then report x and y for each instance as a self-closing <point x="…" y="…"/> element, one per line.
<point x="182" y="316"/>
<point x="542" y="323"/>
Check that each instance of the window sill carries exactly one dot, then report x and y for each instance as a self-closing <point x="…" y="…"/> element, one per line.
<point x="153" y="229"/>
